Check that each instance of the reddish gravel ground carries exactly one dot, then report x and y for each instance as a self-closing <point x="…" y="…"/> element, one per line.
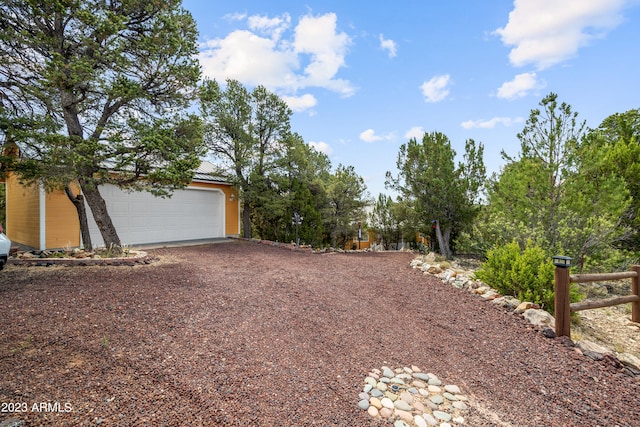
<point x="243" y="334"/>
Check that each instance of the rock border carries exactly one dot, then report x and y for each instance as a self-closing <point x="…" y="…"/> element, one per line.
<point x="303" y="248"/>
<point x="531" y="312"/>
<point x="134" y="258"/>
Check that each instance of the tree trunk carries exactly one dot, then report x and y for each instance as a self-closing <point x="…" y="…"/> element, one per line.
<point x="246" y="220"/>
<point x="89" y="189"/>
<point x="447" y="242"/>
<point x="101" y="216"/>
<point x="78" y="202"/>
<point x="443" y="240"/>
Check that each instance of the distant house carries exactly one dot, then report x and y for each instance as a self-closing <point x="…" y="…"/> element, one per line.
<point x="367" y="238"/>
<point x="207" y="208"/>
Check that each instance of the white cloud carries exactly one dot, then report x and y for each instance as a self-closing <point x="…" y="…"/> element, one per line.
<point x="235" y="16"/>
<point x="490" y="124"/>
<point x="274" y="27"/>
<point x="416" y="132"/>
<point x="388" y="45"/>
<point x="436" y="89"/>
<point x="300" y="103"/>
<point x="369" y="135"/>
<point x="547" y="32"/>
<point x="318" y="37"/>
<point x="249" y="58"/>
<point x="282" y="59"/>
<point x="520" y="86"/>
<point x="321" y="147"/>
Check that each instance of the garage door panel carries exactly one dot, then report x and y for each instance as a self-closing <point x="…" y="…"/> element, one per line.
<point x="140" y="218"/>
<point x="138" y="221"/>
<point x="117" y="207"/>
<point x="137" y="207"/>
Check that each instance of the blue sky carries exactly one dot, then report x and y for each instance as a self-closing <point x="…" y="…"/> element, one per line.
<point x="364" y="77"/>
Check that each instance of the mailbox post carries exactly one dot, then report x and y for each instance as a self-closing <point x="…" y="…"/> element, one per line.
<point x="562" y="282"/>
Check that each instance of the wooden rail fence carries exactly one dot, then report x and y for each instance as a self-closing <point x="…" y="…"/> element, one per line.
<point x="563" y="306"/>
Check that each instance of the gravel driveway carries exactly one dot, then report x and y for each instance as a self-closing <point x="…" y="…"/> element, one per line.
<point x="243" y="334"/>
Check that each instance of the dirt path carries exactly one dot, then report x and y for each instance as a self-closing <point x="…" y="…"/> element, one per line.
<point x="244" y="334"/>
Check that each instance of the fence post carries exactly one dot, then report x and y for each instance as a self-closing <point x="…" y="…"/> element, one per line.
<point x="635" y="285"/>
<point x="562" y="310"/>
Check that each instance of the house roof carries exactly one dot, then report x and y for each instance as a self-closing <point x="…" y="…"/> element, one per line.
<point x="207" y="172"/>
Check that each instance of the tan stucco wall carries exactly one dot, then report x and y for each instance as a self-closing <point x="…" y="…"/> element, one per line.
<point x="363" y="244"/>
<point x="62" y="224"/>
<point x="23" y="213"/>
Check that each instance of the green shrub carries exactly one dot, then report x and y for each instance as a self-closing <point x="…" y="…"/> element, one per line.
<point x="525" y="274"/>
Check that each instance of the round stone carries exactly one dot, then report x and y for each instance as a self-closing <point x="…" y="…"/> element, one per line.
<point x="414" y="368"/>
<point x="364" y="404"/>
<point x="434" y="389"/>
<point x="419" y="421"/>
<point x="387" y="403"/>
<point x="370" y="380"/>
<point x="461" y="397"/>
<point x="376" y="393"/>
<point x="374" y="375"/>
<point x="381" y="386"/>
<point x="458" y="420"/>
<point x="367" y="388"/>
<point x="434" y="381"/>
<point x="396" y="380"/>
<point x="400" y="423"/>
<point x="413" y="390"/>
<point x="419" y="406"/>
<point x="423" y="392"/>
<point x="375" y="402"/>
<point x="404" y="415"/>
<point x="363" y="395"/>
<point x="373" y="411"/>
<point x="430" y="420"/>
<point x="442" y="416"/>
<point x="386" y="412"/>
<point x="454" y="389"/>
<point x="391" y="396"/>
<point x="421" y="376"/>
<point x="437" y="399"/>
<point x="406" y="397"/>
<point x="402" y="405"/>
<point x="449" y="396"/>
<point x="386" y="372"/>
<point x="419" y="384"/>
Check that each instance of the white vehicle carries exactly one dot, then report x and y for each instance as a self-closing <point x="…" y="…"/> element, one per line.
<point x="5" y="247"/>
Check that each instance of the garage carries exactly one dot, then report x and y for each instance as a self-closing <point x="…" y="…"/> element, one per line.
<point x="141" y="218"/>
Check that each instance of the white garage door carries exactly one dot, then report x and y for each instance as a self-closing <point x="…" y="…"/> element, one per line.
<point x="140" y="217"/>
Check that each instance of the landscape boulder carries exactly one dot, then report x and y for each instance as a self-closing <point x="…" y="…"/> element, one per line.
<point x="539" y="318"/>
<point x="524" y="306"/>
<point x="593" y="350"/>
<point x="507" y="301"/>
